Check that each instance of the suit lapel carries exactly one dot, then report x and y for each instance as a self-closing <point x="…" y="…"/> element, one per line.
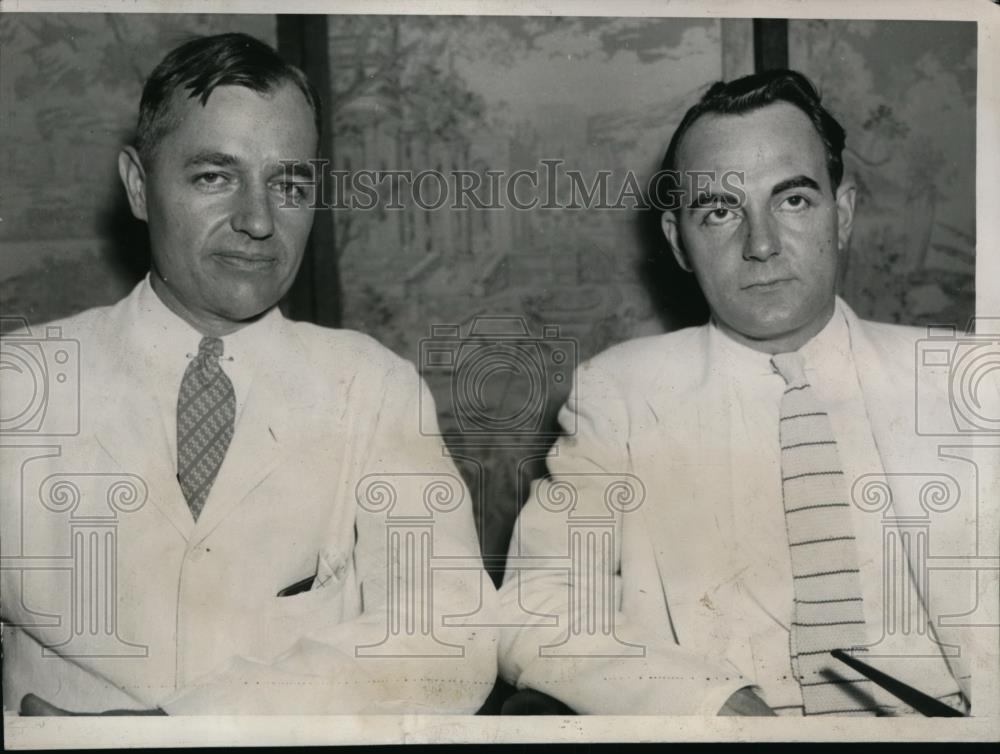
<point x="892" y="421"/>
<point x="264" y="432"/>
<point x="129" y="426"/>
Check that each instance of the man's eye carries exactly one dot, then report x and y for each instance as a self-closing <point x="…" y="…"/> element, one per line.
<point x="796" y="202"/>
<point x="210" y="180"/>
<point x="718" y="216"/>
<point x="291" y="189"/>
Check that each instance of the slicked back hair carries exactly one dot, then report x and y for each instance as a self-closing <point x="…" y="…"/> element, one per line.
<point x="749" y="93"/>
<point x="202" y="64"/>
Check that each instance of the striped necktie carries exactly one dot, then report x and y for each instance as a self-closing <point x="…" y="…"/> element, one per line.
<point x="828" y="612"/>
<point x="206" y="414"/>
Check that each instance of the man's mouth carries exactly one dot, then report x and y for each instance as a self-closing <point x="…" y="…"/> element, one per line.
<point x="248" y="262"/>
<point x="768" y="284"/>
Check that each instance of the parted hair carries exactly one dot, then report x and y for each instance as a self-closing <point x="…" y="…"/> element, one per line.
<point x="749" y="93"/>
<point x="204" y="63"/>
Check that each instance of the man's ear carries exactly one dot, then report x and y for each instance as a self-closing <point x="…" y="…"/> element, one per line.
<point x="845" y="196"/>
<point x="670" y="225"/>
<point x="134" y="179"/>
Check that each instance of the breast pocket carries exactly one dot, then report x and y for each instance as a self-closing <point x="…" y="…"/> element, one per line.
<point x="332" y="600"/>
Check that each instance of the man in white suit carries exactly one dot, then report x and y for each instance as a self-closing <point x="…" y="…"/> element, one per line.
<point x="750" y="512"/>
<point x="240" y="516"/>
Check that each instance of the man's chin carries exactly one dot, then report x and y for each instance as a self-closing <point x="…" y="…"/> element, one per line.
<point x="790" y="330"/>
<point x="246" y="311"/>
<point x="249" y="302"/>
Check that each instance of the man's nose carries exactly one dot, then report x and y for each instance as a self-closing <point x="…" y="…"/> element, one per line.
<point x="763" y="241"/>
<point x="254" y="214"/>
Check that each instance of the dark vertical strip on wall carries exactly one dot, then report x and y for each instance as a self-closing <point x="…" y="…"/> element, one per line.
<point x="770" y="44"/>
<point x="315" y="295"/>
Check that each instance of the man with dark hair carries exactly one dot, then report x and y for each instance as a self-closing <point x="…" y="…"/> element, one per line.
<point x="245" y="473"/>
<point x="753" y="92"/>
<point x="756" y="446"/>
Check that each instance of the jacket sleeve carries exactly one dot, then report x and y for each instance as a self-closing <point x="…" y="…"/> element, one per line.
<point x="425" y="640"/>
<point x="562" y="634"/>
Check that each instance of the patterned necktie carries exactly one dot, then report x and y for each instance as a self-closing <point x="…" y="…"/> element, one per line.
<point x="206" y="413"/>
<point x="828" y="610"/>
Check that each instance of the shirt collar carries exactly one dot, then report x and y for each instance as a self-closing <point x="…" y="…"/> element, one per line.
<point x="157" y="331"/>
<point x="828" y="357"/>
<point x="163" y="332"/>
<point x="166" y="342"/>
<point x="742" y="358"/>
<point x="832" y="342"/>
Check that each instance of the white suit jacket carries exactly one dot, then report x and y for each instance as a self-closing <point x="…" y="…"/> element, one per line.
<point x="113" y="597"/>
<point x="646" y="453"/>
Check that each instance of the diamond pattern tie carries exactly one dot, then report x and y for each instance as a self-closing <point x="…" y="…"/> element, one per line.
<point x="206" y="414"/>
<point x="828" y="612"/>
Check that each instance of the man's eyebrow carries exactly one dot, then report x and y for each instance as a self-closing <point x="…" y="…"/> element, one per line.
<point x="295" y="168"/>
<point x="713" y="199"/>
<point x="799" y="181"/>
<point x="219" y="159"/>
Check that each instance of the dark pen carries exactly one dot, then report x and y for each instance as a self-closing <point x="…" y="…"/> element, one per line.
<point x="298" y="587"/>
<point x="926" y="705"/>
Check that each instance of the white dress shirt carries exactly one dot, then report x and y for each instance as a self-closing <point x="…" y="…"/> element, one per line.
<point x="766" y="582"/>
